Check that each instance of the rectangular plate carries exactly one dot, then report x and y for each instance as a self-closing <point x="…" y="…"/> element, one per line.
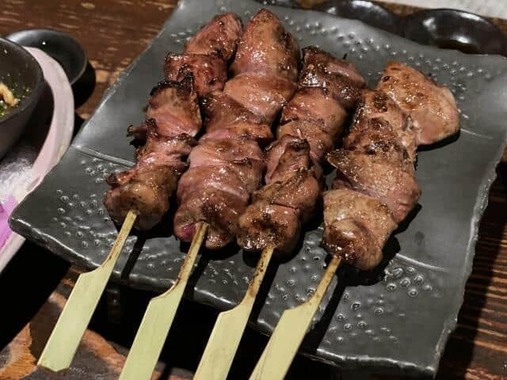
<point x="397" y="319"/>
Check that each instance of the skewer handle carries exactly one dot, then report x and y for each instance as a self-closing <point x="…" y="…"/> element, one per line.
<point x="229" y="327"/>
<point x="290" y="331"/>
<point x="75" y="317"/>
<point x="158" y="319"/>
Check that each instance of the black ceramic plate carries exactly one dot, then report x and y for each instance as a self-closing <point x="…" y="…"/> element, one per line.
<point x="61" y="46"/>
<point x="398" y="321"/>
<point x="442" y="27"/>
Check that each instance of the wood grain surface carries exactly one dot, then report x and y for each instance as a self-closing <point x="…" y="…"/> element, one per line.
<point x="113" y="33"/>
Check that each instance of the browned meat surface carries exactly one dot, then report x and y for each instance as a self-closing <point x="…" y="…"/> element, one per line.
<point x="298" y="191"/>
<point x="219" y="36"/>
<point x="213" y="206"/>
<point x="205" y="58"/>
<point x="212" y="70"/>
<point x="369" y="174"/>
<point x="375" y="186"/>
<point x="330" y="66"/>
<point x="269" y="225"/>
<point x="243" y="156"/>
<point x="312" y="131"/>
<point x="382" y="114"/>
<point x="147" y="186"/>
<point x="174" y="107"/>
<point x="172" y="119"/>
<point x="356" y="227"/>
<point x="285" y="157"/>
<point x="225" y="118"/>
<point x="315" y="103"/>
<point x="342" y="80"/>
<point x="432" y="107"/>
<point x="266" y="48"/>
<point x="227" y="165"/>
<point x="207" y="54"/>
<point x="310" y="126"/>
<point x="260" y="94"/>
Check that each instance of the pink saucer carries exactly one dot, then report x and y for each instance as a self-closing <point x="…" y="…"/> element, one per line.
<point x="56" y="141"/>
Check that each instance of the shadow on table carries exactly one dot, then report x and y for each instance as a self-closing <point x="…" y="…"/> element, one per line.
<point x="25" y="285"/>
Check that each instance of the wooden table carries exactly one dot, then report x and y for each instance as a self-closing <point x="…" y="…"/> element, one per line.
<point x="113" y="33"/>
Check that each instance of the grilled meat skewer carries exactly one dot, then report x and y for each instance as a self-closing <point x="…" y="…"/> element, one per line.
<point x="362" y="210"/>
<point x="172" y="120"/>
<point x="227" y="165"/>
<point x="310" y="126"/>
<point x="375" y="186"/>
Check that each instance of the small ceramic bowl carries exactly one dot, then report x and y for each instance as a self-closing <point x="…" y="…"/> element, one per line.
<point x="59" y="45"/>
<point x="365" y="11"/>
<point x="22" y="74"/>
<point x="455" y="29"/>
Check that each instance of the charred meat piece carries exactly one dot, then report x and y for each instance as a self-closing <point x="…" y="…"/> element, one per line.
<point x="375" y="186"/>
<point x="310" y="126"/>
<point x="380" y="113"/>
<point x="243" y="156"/>
<point x="356" y="227"/>
<point x="208" y="54"/>
<point x="267" y="48"/>
<point x="227" y="166"/>
<point x="311" y="131"/>
<point x="213" y="206"/>
<point x="299" y="191"/>
<point x="260" y="94"/>
<point x="172" y="119"/>
<point x="269" y="225"/>
<point x="219" y="36"/>
<point x="206" y="58"/>
<point x="316" y="103"/>
<point x="225" y="118"/>
<point x="369" y="174"/>
<point x="147" y="187"/>
<point x="285" y="157"/>
<point x="340" y="77"/>
<point x="431" y="107"/>
<point x="330" y="66"/>
<point x="212" y="70"/>
<point x="173" y="105"/>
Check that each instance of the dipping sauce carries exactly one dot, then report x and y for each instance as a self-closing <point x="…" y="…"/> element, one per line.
<point x="7" y="99"/>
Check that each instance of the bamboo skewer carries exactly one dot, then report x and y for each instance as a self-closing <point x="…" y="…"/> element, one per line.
<point x="290" y="331"/>
<point x="158" y="319"/>
<point x="75" y="317"/>
<point x="229" y="327"/>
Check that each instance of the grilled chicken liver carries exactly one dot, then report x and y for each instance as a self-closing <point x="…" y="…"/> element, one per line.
<point x="227" y="165"/>
<point x="172" y="120"/>
<point x="375" y="185"/>
<point x="309" y="128"/>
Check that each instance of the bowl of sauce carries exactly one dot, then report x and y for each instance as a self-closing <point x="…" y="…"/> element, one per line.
<point x="21" y="86"/>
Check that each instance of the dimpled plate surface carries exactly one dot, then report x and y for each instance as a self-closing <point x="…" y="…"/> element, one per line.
<point x="397" y="319"/>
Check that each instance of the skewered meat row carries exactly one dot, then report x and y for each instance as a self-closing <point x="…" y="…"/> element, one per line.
<point x="227" y="165"/>
<point x="375" y="186"/>
<point x="206" y="58"/>
<point x="310" y="126"/>
<point x="172" y="120"/>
